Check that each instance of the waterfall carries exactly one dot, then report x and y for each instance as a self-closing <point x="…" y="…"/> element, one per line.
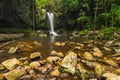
<point x="51" y="22"/>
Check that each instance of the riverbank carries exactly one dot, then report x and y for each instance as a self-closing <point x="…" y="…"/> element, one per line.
<point x="8" y="37"/>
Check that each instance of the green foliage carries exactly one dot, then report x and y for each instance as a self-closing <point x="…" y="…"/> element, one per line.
<point x="107" y="32"/>
<point x="84" y="32"/>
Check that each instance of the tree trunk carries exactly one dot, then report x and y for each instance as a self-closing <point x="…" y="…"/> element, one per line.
<point x="96" y="9"/>
<point x="105" y="12"/>
<point x="33" y="14"/>
<point x="112" y="13"/>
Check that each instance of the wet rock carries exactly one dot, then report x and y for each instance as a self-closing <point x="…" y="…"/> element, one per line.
<point x="34" y="64"/>
<point x="42" y="35"/>
<point x="23" y="61"/>
<point x="111" y="62"/>
<point x="69" y="62"/>
<point x="42" y="69"/>
<point x="117" y="71"/>
<point x="90" y="64"/>
<point x="88" y="56"/>
<point x="81" y="72"/>
<point x="97" y="52"/>
<point x="116" y="78"/>
<point x="64" y="75"/>
<point x="14" y="74"/>
<point x="109" y="76"/>
<point x="53" y="78"/>
<point x="57" y="44"/>
<point x="26" y="77"/>
<point x="1" y="67"/>
<point x="10" y="64"/>
<point x="42" y="62"/>
<point x="99" y="70"/>
<point x="108" y="50"/>
<point x="13" y="50"/>
<point x="52" y="59"/>
<point x="1" y="77"/>
<point x="92" y="79"/>
<point x="35" y="55"/>
<point x="53" y="53"/>
<point x="60" y="54"/>
<point x="55" y="73"/>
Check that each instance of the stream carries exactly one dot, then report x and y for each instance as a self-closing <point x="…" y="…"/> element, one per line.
<point x="47" y="46"/>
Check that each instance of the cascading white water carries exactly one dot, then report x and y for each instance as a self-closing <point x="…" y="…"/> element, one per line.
<point x="51" y="22"/>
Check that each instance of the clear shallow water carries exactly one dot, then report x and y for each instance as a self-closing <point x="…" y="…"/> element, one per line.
<point x="47" y="46"/>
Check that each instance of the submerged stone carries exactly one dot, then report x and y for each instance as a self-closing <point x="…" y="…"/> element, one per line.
<point x="10" y="64"/>
<point x="35" y="55"/>
<point x="13" y="50"/>
<point x="69" y="62"/>
<point x="14" y="74"/>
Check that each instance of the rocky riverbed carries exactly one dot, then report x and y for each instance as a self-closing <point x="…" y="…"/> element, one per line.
<point x="89" y="60"/>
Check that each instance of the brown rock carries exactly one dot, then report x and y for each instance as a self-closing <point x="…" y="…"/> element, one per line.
<point x="1" y="77"/>
<point x="88" y="56"/>
<point x="25" y="77"/>
<point x="42" y="69"/>
<point x="97" y="52"/>
<point x="10" y="64"/>
<point x="52" y="59"/>
<point x="64" y="75"/>
<point x="35" y="55"/>
<point x="111" y="62"/>
<point x="109" y="76"/>
<point x="99" y="70"/>
<point x="55" y="73"/>
<point x="14" y="74"/>
<point x="34" y="64"/>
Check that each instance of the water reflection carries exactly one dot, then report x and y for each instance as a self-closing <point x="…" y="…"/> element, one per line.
<point x="52" y="38"/>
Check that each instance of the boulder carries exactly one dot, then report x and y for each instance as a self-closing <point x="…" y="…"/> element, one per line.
<point x="13" y="50"/>
<point x="64" y="75"/>
<point x="26" y="77"/>
<point x="34" y="64"/>
<point x="99" y="70"/>
<point x="10" y="64"/>
<point x="88" y="56"/>
<point x="35" y="55"/>
<point x="111" y="62"/>
<point x="53" y="53"/>
<point x="55" y="73"/>
<point x="52" y="59"/>
<point x="81" y="72"/>
<point x="69" y="62"/>
<point x="14" y="74"/>
<point x="97" y="52"/>
<point x="109" y="76"/>
<point x="60" y="54"/>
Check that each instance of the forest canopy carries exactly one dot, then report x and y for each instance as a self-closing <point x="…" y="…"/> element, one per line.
<point x="69" y="14"/>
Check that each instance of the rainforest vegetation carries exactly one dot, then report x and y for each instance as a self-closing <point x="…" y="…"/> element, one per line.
<point x="80" y="15"/>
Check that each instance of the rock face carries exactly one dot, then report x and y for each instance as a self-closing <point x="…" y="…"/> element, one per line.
<point x="10" y="64"/>
<point x="69" y="62"/>
<point x="14" y="74"/>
